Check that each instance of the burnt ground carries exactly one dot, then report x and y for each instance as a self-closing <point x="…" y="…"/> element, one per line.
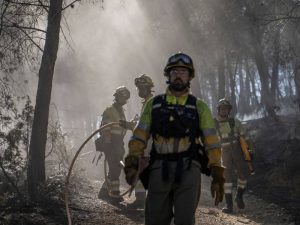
<point x="87" y="209"/>
<point x="96" y="211"/>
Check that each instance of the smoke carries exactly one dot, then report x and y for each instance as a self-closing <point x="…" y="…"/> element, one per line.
<point x="103" y="48"/>
<point x="108" y="48"/>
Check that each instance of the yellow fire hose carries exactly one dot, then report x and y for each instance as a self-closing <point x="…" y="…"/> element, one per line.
<point x="71" y="167"/>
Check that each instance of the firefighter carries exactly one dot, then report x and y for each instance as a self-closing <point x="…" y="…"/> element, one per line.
<point x="144" y="85"/>
<point x="178" y="123"/>
<point x="113" y="139"/>
<point x="230" y="130"/>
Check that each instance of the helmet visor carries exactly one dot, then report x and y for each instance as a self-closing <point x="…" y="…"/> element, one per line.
<point x="180" y="57"/>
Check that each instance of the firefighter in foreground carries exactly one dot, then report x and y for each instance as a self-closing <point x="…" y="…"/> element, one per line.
<point x="178" y="123"/>
<point x="112" y="144"/>
<point x="231" y="133"/>
<point x="144" y="85"/>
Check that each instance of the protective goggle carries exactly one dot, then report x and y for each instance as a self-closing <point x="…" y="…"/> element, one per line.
<point x="180" y="57"/>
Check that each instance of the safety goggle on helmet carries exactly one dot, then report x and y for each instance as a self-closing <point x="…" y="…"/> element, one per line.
<point x="122" y="92"/>
<point x="143" y="81"/>
<point x="181" y="60"/>
<point x="225" y="103"/>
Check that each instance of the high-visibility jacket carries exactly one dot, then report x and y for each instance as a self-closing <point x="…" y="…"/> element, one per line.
<point x="114" y="113"/>
<point x="231" y="131"/>
<point x="141" y="133"/>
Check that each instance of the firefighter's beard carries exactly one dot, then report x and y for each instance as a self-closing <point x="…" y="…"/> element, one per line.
<point x="178" y="85"/>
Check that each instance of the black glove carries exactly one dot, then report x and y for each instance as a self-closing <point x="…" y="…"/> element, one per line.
<point x="123" y="124"/>
<point x="217" y="184"/>
<point x="131" y="168"/>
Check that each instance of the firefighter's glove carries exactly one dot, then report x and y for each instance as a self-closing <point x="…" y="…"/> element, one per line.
<point x="217" y="185"/>
<point x="123" y="124"/>
<point x="131" y="169"/>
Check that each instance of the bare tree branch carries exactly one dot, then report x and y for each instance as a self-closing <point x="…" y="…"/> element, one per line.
<point x="32" y="41"/>
<point x="69" y="32"/>
<point x="2" y="17"/>
<point x="28" y="4"/>
<point x="70" y="5"/>
<point x="44" y="6"/>
<point x="25" y="28"/>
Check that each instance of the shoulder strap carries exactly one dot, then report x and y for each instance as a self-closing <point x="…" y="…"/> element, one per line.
<point x="191" y="107"/>
<point x="232" y="125"/>
<point x="159" y="101"/>
<point x="217" y="123"/>
<point x="218" y="127"/>
<point x="191" y="102"/>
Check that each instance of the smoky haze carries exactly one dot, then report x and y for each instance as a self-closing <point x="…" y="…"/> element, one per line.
<point x="109" y="47"/>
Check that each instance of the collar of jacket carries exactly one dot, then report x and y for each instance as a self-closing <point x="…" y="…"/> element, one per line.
<point x="174" y="100"/>
<point x="146" y="99"/>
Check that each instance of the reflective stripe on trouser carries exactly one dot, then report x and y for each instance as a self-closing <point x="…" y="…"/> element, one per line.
<point x="115" y="185"/>
<point x="241" y="184"/>
<point x="233" y="160"/>
<point x="164" y="196"/>
<point x="113" y="157"/>
<point x="228" y="188"/>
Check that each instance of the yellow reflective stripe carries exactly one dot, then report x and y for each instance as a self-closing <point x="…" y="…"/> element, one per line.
<point x="116" y="131"/>
<point x="226" y="144"/>
<point x="228" y="188"/>
<point x="227" y="185"/>
<point x="163" y="145"/>
<point x="241" y="183"/>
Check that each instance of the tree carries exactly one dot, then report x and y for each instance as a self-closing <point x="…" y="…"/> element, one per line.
<point x="36" y="166"/>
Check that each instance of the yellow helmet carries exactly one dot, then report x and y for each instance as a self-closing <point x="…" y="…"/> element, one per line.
<point x="122" y="91"/>
<point x="143" y="80"/>
<point x="182" y="60"/>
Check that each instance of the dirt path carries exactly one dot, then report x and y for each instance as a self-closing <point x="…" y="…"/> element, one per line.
<point x="87" y="209"/>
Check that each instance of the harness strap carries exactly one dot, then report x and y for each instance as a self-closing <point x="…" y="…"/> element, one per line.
<point x="190" y="108"/>
<point x="173" y="157"/>
<point x="231" y="122"/>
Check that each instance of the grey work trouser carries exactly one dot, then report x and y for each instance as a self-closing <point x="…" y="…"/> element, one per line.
<point x="167" y="199"/>
<point x="233" y="160"/>
<point x="113" y="156"/>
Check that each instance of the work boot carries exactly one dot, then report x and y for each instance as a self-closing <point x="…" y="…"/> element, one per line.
<point x="229" y="204"/>
<point x="115" y="196"/>
<point x="239" y="198"/>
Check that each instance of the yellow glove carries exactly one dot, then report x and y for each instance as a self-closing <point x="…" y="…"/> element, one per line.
<point x="217" y="184"/>
<point x="131" y="169"/>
